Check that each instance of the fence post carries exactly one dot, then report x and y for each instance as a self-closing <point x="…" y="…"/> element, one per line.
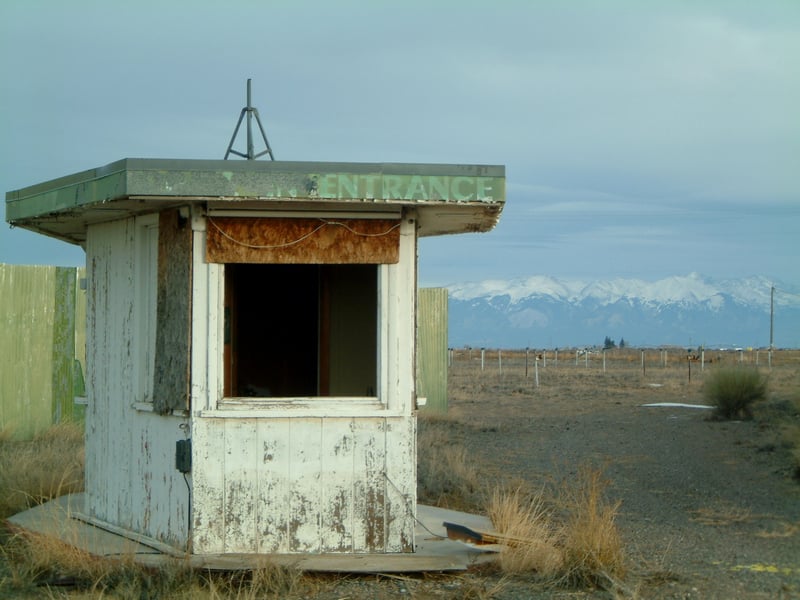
<point x="536" y="370"/>
<point x="526" y="362"/>
<point x="643" y="367"/>
<point x="604" y="360"/>
<point x="483" y="356"/>
<point x="500" y="360"/>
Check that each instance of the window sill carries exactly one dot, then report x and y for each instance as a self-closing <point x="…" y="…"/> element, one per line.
<point x="299" y="407"/>
<point x="148" y="407"/>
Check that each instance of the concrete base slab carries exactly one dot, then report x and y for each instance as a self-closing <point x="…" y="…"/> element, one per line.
<point x="62" y="518"/>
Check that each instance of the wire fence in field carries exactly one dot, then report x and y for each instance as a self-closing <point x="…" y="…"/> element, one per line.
<point x="531" y="363"/>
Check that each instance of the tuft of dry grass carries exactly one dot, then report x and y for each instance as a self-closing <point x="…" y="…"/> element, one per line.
<point x="593" y="546"/>
<point x="534" y="545"/>
<point x="35" y="471"/>
<point x="577" y="542"/>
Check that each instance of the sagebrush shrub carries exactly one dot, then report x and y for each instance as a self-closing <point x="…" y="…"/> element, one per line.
<point x="733" y="391"/>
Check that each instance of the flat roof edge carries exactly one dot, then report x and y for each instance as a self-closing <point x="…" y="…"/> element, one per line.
<point x="177" y="164"/>
<point x="465" y="197"/>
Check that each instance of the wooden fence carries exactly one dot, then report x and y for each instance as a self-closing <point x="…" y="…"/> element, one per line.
<point x="42" y="347"/>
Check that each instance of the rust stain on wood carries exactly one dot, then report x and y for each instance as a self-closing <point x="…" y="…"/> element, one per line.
<point x="302" y="241"/>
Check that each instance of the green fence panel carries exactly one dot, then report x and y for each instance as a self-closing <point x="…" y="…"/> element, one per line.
<point x="37" y="346"/>
<point x="432" y="348"/>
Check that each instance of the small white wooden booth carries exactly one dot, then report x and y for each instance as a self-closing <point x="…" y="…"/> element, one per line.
<point x="251" y="343"/>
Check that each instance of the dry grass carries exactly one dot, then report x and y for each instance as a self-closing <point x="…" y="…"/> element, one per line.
<point x="593" y="546"/>
<point x="32" y="562"/>
<point x="536" y="541"/>
<point x="577" y="542"/>
<point x="32" y="472"/>
<point x="733" y="391"/>
<point x="446" y="477"/>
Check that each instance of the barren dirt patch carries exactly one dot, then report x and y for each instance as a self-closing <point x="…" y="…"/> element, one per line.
<point x="710" y="509"/>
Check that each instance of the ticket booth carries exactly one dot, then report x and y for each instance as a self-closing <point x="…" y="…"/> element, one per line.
<point x="251" y="343"/>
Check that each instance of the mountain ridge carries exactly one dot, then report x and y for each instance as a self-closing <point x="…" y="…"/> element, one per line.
<point x="688" y="310"/>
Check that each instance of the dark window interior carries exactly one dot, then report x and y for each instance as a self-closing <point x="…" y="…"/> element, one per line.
<point x="300" y="330"/>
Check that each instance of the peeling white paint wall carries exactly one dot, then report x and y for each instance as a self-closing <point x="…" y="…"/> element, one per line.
<point x="294" y="485"/>
<point x="131" y="480"/>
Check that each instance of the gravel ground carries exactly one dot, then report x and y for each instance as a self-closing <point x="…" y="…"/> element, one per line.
<point x="709" y="509"/>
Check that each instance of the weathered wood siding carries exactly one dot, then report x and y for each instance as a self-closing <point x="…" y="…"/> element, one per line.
<point x="322" y="476"/>
<point x="293" y="485"/>
<point x="42" y="312"/>
<point x="131" y="480"/>
<point x="432" y="348"/>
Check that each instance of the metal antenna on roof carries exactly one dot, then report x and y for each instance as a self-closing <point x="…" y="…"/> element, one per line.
<point x="250" y="111"/>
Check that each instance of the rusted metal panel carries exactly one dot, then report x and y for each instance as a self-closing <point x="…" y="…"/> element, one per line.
<point x="173" y="329"/>
<point x="432" y="347"/>
<point x="302" y="241"/>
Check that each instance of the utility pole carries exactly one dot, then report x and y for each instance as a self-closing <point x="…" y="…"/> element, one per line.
<point x="771" y="315"/>
<point x="771" y="325"/>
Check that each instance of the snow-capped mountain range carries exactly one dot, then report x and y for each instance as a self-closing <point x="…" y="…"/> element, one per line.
<point x="689" y="311"/>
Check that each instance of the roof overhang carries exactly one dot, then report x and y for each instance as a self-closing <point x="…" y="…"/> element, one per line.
<point x="447" y="198"/>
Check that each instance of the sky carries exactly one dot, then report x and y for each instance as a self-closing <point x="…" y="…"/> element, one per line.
<point x="640" y="139"/>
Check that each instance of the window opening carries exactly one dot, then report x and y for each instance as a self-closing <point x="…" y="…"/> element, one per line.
<point x="300" y="330"/>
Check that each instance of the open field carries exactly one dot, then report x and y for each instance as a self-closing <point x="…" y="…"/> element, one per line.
<point x="709" y="509"/>
<point x="703" y="508"/>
